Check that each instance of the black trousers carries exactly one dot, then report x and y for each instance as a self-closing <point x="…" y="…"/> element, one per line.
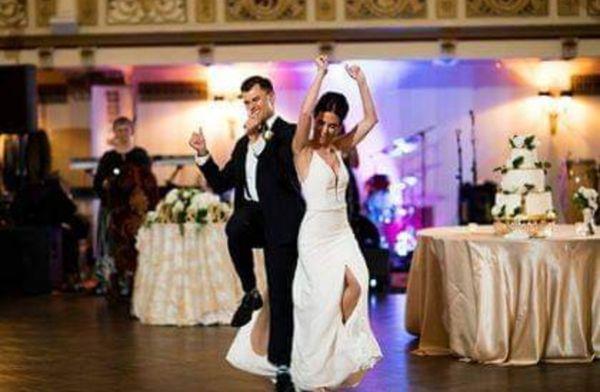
<point x="280" y="263"/>
<point x="246" y="230"/>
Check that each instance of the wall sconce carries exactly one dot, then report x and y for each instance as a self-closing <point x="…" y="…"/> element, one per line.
<point x="88" y="56"/>
<point x="46" y="58"/>
<point x="447" y="56"/>
<point x="555" y="103"/>
<point x="327" y="49"/>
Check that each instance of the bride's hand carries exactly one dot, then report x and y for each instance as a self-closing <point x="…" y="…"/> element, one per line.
<point x="355" y="73"/>
<point x="322" y="64"/>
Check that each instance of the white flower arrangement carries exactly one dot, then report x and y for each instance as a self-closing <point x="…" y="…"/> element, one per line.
<point x="188" y="205"/>
<point x="529" y="142"/>
<point x="586" y="198"/>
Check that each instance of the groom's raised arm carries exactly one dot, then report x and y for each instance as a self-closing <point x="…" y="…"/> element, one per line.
<point x="220" y="180"/>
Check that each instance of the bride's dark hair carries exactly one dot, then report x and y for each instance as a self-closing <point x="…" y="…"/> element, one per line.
<point x="332" y="102"/>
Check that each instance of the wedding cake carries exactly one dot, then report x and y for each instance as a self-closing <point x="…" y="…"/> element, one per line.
<point x="523" y="196"/>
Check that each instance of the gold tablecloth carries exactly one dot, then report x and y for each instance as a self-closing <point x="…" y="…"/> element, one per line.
<point x="516" y="302"/>
<point x="186" y="279"/>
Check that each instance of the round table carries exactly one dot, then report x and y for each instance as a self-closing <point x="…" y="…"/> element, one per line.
<point x="493" y="300"/>
<point x="186" y="279"/>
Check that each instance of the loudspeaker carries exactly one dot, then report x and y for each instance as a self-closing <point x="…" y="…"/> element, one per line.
<point x="476" y="202"/>
<point x="378" y="263"/>
<point x="18" y="96"/>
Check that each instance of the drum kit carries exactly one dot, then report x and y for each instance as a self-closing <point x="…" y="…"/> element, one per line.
<point x="398" y="208"/>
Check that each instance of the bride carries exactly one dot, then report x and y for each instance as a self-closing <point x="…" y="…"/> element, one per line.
<point x="333" y="344"/>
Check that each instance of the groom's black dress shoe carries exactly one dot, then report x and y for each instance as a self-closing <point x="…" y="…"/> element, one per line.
<point x="284" y="383"/>
<point x="251" y="302"/>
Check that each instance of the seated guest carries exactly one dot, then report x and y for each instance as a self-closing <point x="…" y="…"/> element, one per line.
<point x="42" y="200"/>
<point x="127" y="189"/>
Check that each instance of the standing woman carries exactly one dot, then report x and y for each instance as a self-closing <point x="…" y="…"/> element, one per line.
<point x="333" y="342"/>
<point x="127" y="189"/>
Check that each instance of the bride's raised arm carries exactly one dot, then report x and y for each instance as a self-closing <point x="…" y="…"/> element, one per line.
<point x="357" y="134"/>
<point x="304" y="122"/>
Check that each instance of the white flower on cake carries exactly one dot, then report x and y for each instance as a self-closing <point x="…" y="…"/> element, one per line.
<point x="551" y="215"/>
<point x="518" y="141"/>
<point x="496" y="210"/>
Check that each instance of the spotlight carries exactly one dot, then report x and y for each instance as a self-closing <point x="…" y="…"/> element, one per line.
<point x="206" y="55"/>
<point x="327" y="49"/>
<point x="569" y="48"/>
<point x="447" y="54"/>
<point x="87" y="55"/>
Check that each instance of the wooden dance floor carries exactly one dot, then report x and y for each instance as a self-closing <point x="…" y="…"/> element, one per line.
<point x="76" y="343"/>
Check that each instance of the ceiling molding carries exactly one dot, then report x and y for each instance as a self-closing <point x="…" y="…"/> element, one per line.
<point x="301" y="36"/>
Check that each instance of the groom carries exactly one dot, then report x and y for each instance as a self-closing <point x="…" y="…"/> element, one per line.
<point x="268" y="210"/>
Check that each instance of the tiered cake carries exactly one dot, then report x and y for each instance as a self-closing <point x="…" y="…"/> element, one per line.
<point x="523" y="197"/>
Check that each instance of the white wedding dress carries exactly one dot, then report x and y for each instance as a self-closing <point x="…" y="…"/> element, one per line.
<point x="326" y="351"/>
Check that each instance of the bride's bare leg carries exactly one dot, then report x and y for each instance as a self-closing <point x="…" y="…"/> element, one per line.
<point x="350" y="295"/>
<point x="259" y="336"/>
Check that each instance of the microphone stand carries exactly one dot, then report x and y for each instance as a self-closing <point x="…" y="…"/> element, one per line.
<point x="422" y="137"/>
<point x="474" y="164"/>
<point x="459" y="177"/>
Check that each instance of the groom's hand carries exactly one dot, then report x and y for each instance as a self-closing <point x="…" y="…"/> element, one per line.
<point x="253" y="123"/>
<point x="198" y="142"/>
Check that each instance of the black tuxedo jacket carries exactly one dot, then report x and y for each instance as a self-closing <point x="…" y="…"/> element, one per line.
<point x="276" y="182"/>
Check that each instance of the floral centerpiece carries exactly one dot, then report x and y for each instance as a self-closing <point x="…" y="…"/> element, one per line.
<point x="189" y="205"/>
<point x="587" y="201"/>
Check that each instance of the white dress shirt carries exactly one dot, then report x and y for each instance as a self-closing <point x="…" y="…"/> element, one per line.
<point x="254" y="150"/>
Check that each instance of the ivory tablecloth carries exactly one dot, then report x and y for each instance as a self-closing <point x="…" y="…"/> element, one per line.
<point x="186" y="279"/>
<point x="492" y="300"/>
